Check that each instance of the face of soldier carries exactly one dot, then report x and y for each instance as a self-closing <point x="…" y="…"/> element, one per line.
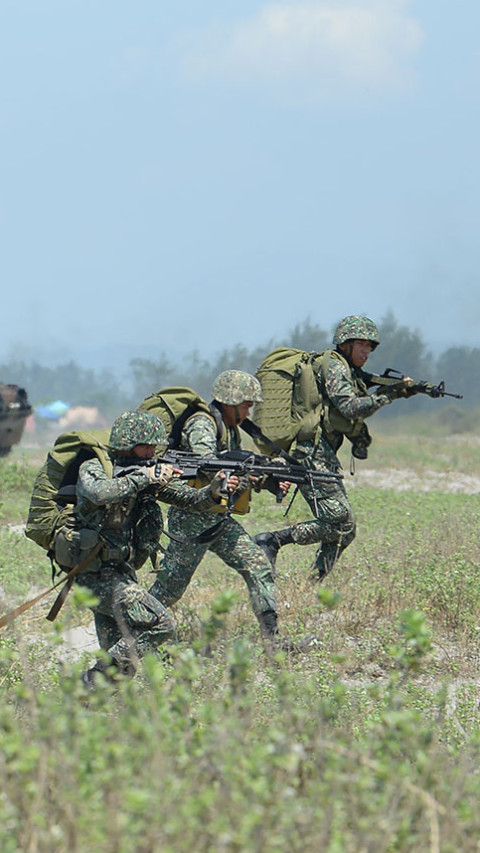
<point x="144" y="451"/>
<point x="359" y="352"/>
<point x="233" y="415"/>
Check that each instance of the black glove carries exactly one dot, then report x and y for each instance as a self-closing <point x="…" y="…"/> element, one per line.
<point x="361" y="443"/>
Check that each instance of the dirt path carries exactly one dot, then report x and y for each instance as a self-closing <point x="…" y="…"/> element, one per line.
<point x="408" y="480"/>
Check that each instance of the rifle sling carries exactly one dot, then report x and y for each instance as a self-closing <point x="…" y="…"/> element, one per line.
<point x="254" y="432"/>
<point x="57" y="605"/>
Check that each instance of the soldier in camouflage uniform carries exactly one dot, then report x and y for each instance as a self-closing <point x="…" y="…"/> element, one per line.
<point x="124" y="514"/>
<point x="347" y="403"/>
<point x="234" y="394"/>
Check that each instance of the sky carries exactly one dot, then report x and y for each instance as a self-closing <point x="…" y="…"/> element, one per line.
<point x="193" y="175"/>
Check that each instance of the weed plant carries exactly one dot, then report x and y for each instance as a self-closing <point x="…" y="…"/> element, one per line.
<point x="368" y="740"/>
<point x="16" y="482"/>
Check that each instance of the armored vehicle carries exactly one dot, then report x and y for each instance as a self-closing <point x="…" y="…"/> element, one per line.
<point x="14" y="411"/>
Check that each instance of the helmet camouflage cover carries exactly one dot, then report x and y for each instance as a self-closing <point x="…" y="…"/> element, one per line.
<point x="134" y="428"/>
<point x="233" y="387"/>
<point x="356" y="328"/>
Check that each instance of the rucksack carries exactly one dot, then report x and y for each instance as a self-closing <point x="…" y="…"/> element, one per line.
<point x="174" y="406"/>
<point x="53" y="496"/>
<point x="292" y="404"/>
<point x="293" y="407"/>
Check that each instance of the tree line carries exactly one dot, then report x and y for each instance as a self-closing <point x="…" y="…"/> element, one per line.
<point x="402" y="348"/>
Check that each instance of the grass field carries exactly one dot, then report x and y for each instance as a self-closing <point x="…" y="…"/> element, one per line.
<point x="368" y="741"/>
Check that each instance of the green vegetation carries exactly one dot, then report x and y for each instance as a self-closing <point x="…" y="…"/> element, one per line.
<point x="402" y="348"/>
<point x="369" y="740"/>
<point x="16" y="480"/>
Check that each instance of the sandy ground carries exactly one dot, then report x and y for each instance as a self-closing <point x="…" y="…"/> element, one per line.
<point x="408" y="480"/>
<point x="78" y="640"/>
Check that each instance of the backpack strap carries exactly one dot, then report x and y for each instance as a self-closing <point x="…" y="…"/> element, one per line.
<point x="175" y="437"/>
<point x="57" y="604"/>
<point x="216" y="414"/>
<point x="255" y="432"/>
<point x="322" y="369"/>
<point x="176" y="431"/>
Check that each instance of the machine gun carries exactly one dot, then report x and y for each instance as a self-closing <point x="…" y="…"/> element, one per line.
<point x="242" y="463"/>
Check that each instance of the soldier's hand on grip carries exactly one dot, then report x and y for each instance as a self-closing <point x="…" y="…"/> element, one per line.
<point x="161" y="474"/>
<point x="219" y="486"/>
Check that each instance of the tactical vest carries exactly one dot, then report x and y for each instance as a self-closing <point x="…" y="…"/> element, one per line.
<point x="331" y="419"/>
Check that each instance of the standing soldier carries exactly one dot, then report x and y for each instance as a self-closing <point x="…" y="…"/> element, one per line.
<point x="234" y="393"/>
<point x="347" y="403"/>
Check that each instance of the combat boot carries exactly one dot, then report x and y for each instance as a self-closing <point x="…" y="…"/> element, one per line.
<point x="275" y="642"/>
<point x="268" y="621"/>
<point x="271" y="542"/>
<point x="106" y="670"/>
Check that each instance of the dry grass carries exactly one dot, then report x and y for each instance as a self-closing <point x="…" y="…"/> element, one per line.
<point x="368" y="741"/>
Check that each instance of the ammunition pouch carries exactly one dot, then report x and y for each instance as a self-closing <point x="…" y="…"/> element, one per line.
<point x="333" y="421"/>
<point x="115" y="555"/>
<point x="73" y="545"/>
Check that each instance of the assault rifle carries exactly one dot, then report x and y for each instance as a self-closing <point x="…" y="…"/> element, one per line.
<point x="242" y="463"/>
<point x="392" y="378"/>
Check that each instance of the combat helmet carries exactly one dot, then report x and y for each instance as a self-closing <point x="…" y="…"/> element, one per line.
<point x="356" y="328"/>
<point x="233" y="387"/>
<point x="134" y="428"/>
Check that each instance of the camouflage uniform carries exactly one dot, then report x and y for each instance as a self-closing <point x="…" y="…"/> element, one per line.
<point x="233" y="545"/>
<point x="124" y="511"/>
<point x="335" y="526"/>
<point x="345" y="390"/>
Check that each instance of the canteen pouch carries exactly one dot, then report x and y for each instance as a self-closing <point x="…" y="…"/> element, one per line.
<point x="73" y="545"/>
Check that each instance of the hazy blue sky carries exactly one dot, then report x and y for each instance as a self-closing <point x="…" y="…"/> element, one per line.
<point x="196" y="174"/>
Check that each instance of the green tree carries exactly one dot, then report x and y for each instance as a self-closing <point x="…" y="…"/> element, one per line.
<point x="149" y="376"/>
<point x="309" y="336"/>
<point x="458" y="367"/>
<point x="401" y="348"/>
<point x="69" y="382"/>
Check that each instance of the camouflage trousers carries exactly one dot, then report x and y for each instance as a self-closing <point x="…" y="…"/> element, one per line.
<point x="233" y="545"/>
<point x="334" y="523"/>
<point x="129" y="622"/>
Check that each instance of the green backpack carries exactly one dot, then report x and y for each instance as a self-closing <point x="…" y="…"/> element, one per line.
<point x="49" y="510"/>
<point x="292" y="404"/>
<point x="174" y="406"/>
<point x="293" y="408"/>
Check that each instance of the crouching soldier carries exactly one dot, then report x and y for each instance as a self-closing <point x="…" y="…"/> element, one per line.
<point x="123" y="515"/>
